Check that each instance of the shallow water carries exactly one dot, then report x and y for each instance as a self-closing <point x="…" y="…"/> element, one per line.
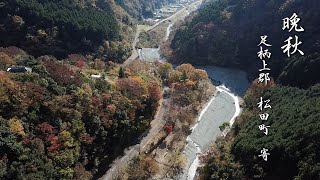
<point x="223" y="107"/>
<point x="235" y="80"/>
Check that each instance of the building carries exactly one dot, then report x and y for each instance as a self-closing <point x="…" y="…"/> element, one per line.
<point x="19" y="69"/>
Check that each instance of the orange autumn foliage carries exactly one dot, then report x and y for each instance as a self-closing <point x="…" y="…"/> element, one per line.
<point x="133" y="87"/>
<point x="154" y="91"/>
<point x="188" y="68"/>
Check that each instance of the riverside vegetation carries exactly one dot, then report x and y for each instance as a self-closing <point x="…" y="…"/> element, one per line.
<point x="60" y="122"/>
<point x="226" y="33"/>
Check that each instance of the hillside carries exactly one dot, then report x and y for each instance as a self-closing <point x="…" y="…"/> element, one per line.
<point x="292" y="140"/>
<point x="59" y="122"/>
<point x="56" y="27"/>
<point x="227" y="32"/>
<point x="103" y="29"/>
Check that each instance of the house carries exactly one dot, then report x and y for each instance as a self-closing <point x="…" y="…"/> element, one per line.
<point x="19" y="69"/>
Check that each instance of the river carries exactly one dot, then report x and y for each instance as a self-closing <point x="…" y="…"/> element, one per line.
<point x="222" y="107"/>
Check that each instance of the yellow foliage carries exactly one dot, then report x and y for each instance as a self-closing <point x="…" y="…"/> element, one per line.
<point x="165" y="69"/>
<point x="90" y="71"/>
<point x="175" y="76"/>
<point x="85" y="90"/>
<point x="15" y="125"/>
<point x="66" y="138"/>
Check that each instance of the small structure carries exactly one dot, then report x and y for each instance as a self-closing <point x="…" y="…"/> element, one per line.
<point x="96" y="75"/>
<point x="19" y="69"/>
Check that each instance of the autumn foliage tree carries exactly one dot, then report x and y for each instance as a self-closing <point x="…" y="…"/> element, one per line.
<point x="62" y="73"/>
<point x="45" y="128"/>
<point x="99" y="64"/>
<point x="16" y="126"/>
<point x="13" y="98"/>
<point x="133" y="87"/>
<point x="165" y="69"/>
<point x="5" y="61"/>
<point x="154" y="91"/>
<point x="59" y="124"/>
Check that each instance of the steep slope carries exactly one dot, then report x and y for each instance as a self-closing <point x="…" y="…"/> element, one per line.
<point x="56" y="27"/>
<point x="227" y="32"/>
<point x="59" y="122"/>
<point x="291" y="141"/>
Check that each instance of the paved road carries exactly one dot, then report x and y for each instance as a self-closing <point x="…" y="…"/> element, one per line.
<point x="156" y="125"/>
<point x="178" y="15"/>
<point x="134" y="53"/>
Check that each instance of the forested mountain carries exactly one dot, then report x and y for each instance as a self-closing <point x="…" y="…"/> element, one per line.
<point x="61" y="121"/>
<point x="58" y="122"/>
<point x="227" y="32"/>
<point x="292" y="140"/>
<point x="56" y="27"/>
<point x="99" y="28"/>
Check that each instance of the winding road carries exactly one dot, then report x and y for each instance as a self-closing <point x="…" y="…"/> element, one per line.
<point x="181" y="14"/>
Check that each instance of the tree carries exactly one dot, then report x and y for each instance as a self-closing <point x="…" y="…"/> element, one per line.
<point x="5" y="61"/>
<point x="15" y="125"/>
<point x="164" y="70"/>
<point x="54" y="144"/>
<point x="199" y="75"/>
<point x="154" y="91"/>
<point x="184" y="75"/>
<point x="66" y="139"/>
<point x="62" y="73"/>
<point x="76" y="58"/>
<point x="80" y="173"/>
<point x="45" y="128"/>
<point x="81" y="64"/>
<point x="99" y="64"/>
<point x="187" y="69"/>
<point x="133" y="87"/>
<point x="121" y="72"/>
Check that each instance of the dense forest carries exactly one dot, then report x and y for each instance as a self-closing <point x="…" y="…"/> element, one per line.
<point x="58" y="122"/>
<point x="70" y="118"/>
<point x="59" y="28"/>
<point x="103" y="29"/>
<point x="227" y="32"/>
<point x="292" y="140"/>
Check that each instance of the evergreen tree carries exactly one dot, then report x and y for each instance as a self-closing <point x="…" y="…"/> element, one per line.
<point x="121" y="73"/>
<point x="184" y="75"/>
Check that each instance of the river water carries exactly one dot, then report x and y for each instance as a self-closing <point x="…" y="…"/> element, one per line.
<point x="222" y="107"/>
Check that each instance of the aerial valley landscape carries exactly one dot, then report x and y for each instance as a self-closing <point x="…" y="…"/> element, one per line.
<point x="159" y="89"/>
